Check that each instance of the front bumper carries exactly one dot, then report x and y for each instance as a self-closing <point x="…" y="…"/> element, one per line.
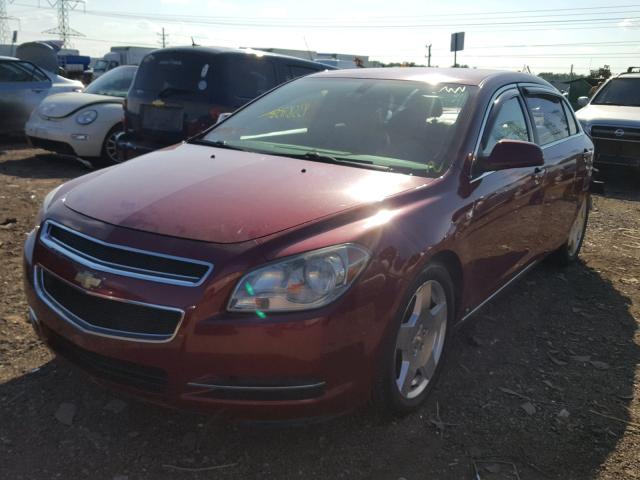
<point x="313" y="364"/>
<point x="66" y="137"/>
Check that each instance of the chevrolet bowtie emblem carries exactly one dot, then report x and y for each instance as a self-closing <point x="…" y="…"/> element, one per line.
<point x="88" y="280"/>
<point x="158" y="103"/>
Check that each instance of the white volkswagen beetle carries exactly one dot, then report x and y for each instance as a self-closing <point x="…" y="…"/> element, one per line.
<point x="83" y="124"/>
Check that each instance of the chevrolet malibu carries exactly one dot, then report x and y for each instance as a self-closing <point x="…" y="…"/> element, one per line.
<point x="314" y="251"/>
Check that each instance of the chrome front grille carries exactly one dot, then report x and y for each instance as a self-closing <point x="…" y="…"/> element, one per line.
<point x="103" y="315"/>
<point x="621" y="134"/>
<point x="123" y="260"/>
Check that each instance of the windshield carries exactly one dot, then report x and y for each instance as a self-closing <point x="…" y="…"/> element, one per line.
<point x="403" y="126"/>
<point x="114" y="83"/>
<point x="100" y="66"/>
<point x="619" y="91"/>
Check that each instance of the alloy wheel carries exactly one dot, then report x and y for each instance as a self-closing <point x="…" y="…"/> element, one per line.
<point x="110" y="147"/>
<point x="420" y="340"/>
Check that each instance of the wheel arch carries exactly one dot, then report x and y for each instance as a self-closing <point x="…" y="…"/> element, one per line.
<point x="451" y="261"/>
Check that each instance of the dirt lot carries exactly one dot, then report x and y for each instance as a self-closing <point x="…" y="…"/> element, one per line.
<point x="546" y="380"/>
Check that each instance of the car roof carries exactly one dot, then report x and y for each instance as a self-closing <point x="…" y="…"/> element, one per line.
<point x="232" y="51"/>
<point x="466" y="76"/>
<point x="629" y="75"/>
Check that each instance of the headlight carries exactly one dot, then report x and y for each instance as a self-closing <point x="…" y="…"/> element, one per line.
<point x="86" y="117"/>
<point x="301" y="282"/>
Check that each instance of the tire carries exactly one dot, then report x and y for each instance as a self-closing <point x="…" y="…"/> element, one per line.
<point x="569" y="252"/>
<point x="397" y="390"/>
<point x="108" y="153"/>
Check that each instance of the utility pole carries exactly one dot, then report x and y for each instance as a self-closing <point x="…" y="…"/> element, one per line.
<point x="5" y="30"/>
<point x="428" y="55"/>
<point x="64" y="28"/>
<point x="571" y="73"/>
<point x="163" y="38"/>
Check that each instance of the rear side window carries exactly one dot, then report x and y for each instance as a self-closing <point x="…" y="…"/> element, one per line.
<point x="549" y="118"/>
<point x="508" y="123"/>
<point x="295" y="71"/>
<point x="251" y="76"/>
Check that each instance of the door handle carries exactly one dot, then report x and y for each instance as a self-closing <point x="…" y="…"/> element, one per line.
<point x="538" y="173"/>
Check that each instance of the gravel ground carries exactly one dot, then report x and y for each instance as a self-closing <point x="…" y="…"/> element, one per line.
<point x="544" y="382"/>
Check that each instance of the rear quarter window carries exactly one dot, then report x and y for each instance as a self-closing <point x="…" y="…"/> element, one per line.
<point x="250" y="77"/>
<point x="295" y="71"/>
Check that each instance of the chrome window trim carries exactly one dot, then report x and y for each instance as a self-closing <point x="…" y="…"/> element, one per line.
<point x="127" y="271"/>
<point x="87" y="327"/>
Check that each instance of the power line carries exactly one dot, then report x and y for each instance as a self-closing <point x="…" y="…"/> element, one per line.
<point x="64" y="29"/>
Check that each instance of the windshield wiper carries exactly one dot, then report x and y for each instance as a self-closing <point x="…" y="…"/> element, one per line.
<point x="215" y="143"/>
<point x="325" y="158"/>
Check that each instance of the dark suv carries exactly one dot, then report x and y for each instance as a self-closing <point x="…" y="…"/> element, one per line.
<point x="180" y="91"/>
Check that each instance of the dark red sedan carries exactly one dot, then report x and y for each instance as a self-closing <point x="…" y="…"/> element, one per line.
<point x="316" y="249"/>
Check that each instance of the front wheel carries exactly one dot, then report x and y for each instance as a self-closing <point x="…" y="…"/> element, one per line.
<point x="109" y="153"/>
<point x="569" y="252"/>
<point x="413" y="360"/>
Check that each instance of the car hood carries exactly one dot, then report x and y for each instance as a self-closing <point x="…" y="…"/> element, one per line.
<point x="225" y="196"/>
<point x="610" y="115"/>
<point x="61" y="105"/>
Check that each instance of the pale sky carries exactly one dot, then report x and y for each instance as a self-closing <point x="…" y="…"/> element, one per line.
<point x="546" y="35"/>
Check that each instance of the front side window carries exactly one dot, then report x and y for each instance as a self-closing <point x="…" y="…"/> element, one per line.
<point x="17" y="72"/>
<point x="619" y="91"/>
<point x="508" y="123"/>
<point x="549" y="118"/>
<point x="401" y="126"/>
<point x="114" y="83"/>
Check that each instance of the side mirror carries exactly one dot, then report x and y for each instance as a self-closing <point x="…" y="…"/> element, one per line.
<point x="223" y="116"/>
<point x="512" y="154"/>
<point x="583" y="101"/>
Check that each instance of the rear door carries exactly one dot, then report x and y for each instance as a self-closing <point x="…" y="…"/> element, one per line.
<point x="22" y="88"/>
<point x="557" y="133"/>
<point x="503" y="227"/>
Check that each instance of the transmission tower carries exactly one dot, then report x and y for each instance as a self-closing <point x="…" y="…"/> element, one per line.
<point x="5" y="30"/>
<point x="64" y="29"/>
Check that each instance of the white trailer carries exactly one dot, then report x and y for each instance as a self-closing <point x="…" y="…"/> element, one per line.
<point x="120" y="56"/>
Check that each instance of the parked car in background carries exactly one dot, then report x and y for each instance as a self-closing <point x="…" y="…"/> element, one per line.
<point x="23" y="86"/>
<point x="612" y="119"/>
<point x="316" y="249"/>
<point x="181" y="91"/>
<point x="86" y="124"/>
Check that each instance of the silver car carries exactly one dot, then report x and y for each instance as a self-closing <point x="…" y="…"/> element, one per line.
<point x="23" y="85"/>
